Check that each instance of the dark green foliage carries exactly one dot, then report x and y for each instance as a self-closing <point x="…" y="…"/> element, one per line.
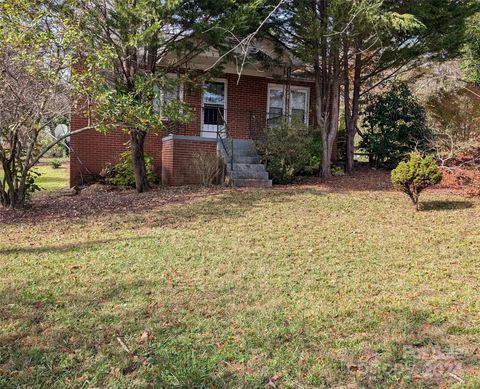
<point x="472" y="49"/>
<point x="31" y="185"/>
<point x="444" y="21"/>
<point x="288" y="149"/>
<point x="395" y="124"/>
<point x="414" y="175"/>
<point x="55" y="163"/>
<point x="122" y="173"/>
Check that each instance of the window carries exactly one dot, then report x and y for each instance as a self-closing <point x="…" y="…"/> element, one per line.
<point x="164" y="96"/>
<point x="298" y="106"/>
<point x="214" y="94"/>
<point x="298" y="110"/>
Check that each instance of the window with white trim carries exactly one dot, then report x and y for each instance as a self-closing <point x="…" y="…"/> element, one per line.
<point x="299" y="102"/>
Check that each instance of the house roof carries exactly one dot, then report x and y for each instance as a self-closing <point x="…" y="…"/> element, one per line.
<point x="246" y="61"/>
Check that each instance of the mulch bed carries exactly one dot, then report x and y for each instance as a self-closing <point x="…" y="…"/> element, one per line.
<point x="64" y="205"/>
<point x="363" y="179"/>
<point x="100" y="200"/>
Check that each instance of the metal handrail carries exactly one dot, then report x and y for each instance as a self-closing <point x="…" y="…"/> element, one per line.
<point x="227" y="136"/>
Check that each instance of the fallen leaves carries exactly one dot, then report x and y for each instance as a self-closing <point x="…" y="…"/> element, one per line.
<point x="57" y="206"/>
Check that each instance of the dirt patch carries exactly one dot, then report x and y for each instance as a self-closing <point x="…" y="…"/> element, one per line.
<point x="461" y="181"/>
<point x="363" y="179"/>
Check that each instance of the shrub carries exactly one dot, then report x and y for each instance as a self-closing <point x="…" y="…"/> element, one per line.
<point x="206" y="166"/>
<point x="122" y="173"/>
<point x="31" y="185"/>
<point x="396" y="124"/>
<point x="414" y="175"/>
<point x="337" y="171"/>
<point x="288" y="149"/>
<point x="55" y="164"/>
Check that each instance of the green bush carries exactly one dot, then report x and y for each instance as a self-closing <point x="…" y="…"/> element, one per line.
<point x="55" y="164"/>
<point x="288" y="149"/>
<point x="395" y="124"/>
<point x="414" y="175"/>
<point x="122" y="173"/>
<point x="337" y="171"/>
<point x="31" y="185"/>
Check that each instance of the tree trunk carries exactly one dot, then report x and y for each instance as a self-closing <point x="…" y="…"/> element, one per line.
<point x="13" y="197"/>
<point x="137" y="140"/>
<point x="19" y="199"/>
<point x="350" y="145"/>
<point x="325" y="171"/>
<point x="352" y="113"/>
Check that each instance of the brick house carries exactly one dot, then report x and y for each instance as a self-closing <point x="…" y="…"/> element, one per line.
<point x="226" y="113"/>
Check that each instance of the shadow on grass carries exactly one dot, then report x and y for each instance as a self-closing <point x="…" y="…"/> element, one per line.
<point x="445" y="205"/>
<point x="221" y="202"/>
<point x="91" y="245"/>
<point x="41" y="351"/>
<point x="225" y="207"/>
<point x="182" y="348"/>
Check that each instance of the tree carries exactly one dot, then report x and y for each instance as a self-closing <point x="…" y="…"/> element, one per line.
<point x="328" y="35"/>
<point x="396" y="124"/>
<point x="395" y="37"/>
<point x="132" y="46"/>
<point x="34" y="92"/>
<point x="374" y="44"/>
<point x="472" y="49"/>
<point x="415" y="175"/>
<point x="455" y="118"/>
<point x="312" y="30"/>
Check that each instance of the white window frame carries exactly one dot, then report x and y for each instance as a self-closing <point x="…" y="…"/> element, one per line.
<point x="222" y="80"/>
<point x="225" y="109"/>
<point x="281" y="87"/>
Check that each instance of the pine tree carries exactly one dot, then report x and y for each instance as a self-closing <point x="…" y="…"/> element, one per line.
<point x="131" y="45"/>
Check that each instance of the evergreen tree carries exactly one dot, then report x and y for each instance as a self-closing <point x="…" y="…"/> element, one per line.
<point x="338" y="38"/>
<point x="398" y="36"/>
<point x="131" y="45"/>
<point x="396" y="124"/>
<point x="471" y="54"/>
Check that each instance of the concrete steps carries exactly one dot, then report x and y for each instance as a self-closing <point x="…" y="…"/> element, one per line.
<point x="246" y="169"/>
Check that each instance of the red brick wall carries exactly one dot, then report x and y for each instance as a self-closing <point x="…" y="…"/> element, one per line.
<point x="178" y="152"/>
<point x="91" y="150"/>
<point x="249" y="94"/>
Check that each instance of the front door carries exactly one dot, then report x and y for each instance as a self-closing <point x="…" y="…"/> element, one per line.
<point x="214" y="111"/>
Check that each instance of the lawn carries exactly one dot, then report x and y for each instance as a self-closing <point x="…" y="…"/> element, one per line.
<point x="53" y="179"/>
<point x="50" y="178"/>
<point x="305" y="286"/>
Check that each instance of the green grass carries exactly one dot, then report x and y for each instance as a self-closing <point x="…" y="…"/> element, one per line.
<point x="295" y="287"/>
<point x="51" y="179"/>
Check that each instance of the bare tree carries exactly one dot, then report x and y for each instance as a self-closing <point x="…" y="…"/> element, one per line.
<point x="34" y="95"/>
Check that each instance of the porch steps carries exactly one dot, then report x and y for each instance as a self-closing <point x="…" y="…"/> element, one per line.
<point x="246" y="160"/>
<point x="246" y="169"/>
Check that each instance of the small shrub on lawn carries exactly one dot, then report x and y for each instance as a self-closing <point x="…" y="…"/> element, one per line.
<point x="414" y="175"/>
<point x="207" y="167"/>
<point x="122" y="173"/>
<point x="55" y="164"/>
